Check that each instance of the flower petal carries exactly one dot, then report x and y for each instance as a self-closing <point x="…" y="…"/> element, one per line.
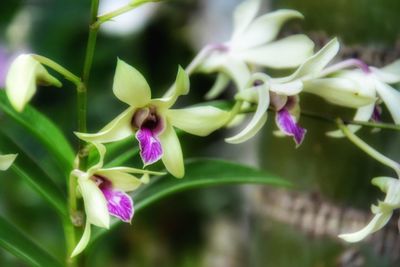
<point x="130" y="86"/>
<point x="259" y="118"/>
<point x="198" y="120"/>
<point x="243" y="16"/>
<point x="119" y="204"/>
<point x="313" y="65"/>
<point x="180" y="87"/>
<point x="264" y="29"/>
<point x="234" y="68"/>
<point x="391" y="98"/>
<point x="95" y="203"/>
<point x="288" y="52"/>
<point x="389" y="74"/>
<point x="150" y="147"/>
<point x="120" y="180"/>
<point x="83" y="242"/>
<point x="374" y="225"/>
<point x="287" y="89"/>
<point x="101" y="149"/>
<point x="23" y="75"/>
<point x="340" y="91"/>
<point x="220" y="84"/>
<point x="172" y="157"/>
<point x="288" y="125"/>
<point x="118" y="129"/>
<point x="6" y="161"/>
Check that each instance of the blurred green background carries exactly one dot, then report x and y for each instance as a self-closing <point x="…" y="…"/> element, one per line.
<point x="220" y="226"/>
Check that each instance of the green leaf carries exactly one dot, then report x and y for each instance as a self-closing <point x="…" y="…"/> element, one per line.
<point x="40" y="127"/>
<point x="16" y="242"/>
<point x="34" y="176"/>
<point x="200" y="173"/>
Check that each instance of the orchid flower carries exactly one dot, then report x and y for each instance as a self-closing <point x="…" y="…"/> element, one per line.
<point x="286" y="105"/>
<point x="252" y="43"/>
<point x="382" y="212"/>
<point x="339" y="90"/>
<point x="104" y="193"/>
<point x="6" y="161"/>
<point x="374" y="82"/>
<point x="152" y="120"/>
<point x="24" y="74"/>
<point x="391" y="186"/>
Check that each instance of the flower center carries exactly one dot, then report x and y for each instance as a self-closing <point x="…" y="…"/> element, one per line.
<point x="101" y="182"/>
<point x="147" y="118"/>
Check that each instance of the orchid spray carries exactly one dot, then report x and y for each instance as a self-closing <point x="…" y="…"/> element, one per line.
<point x="132" y="161"/>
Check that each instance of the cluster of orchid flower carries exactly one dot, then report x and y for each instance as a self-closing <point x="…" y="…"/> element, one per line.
<point x="252" y="48"/>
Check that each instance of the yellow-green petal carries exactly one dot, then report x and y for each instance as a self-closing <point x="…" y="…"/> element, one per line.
<point x="130" y="86"/>
<point x="83" y="242"/>
<point x="22" y="78"/>
<point x="198" y="120"/>
<point x="120" y="180"/>
<point x="6" y="161"/>
<point x="243" y="16"/>
<point x="118" y="129"/>
<point x="172" y="157"/>
<point x="95" y="203"/>
<point x="180" y="87"/>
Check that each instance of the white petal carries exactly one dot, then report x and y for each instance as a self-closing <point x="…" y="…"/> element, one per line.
<point x="388" y="74"/>
<point x="244" y="15"/>
<point x="339" y="91"/>
<point x="130" y="86"/>
<point x="287" y="89"/>
<point x="120" y="180"/>
<point x="198" y="120"/>
<point x="219" y="86"/>
<point x="362" y="114"/>
<point x="95" y="203"/>
<point x="313" y="65"/>
<point x="180" y="87"/>
<point x="289" y="52"/>
<point x="172" y="157"/>
<point x="376" y="224"/>
<point x="264" y="29"/>
<point x="22" y="77"/>
<point x="83" y="242"/>
<point x="235" y="68"/>
<point x="6" y="161"/>
<point x="258" y="120"/>
<point x="391" y="98"/>
<point x="118" y="129"/>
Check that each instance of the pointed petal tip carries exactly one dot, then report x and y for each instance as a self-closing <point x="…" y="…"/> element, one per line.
<point x="150" y="147"/>
<point x="287" y="124"/>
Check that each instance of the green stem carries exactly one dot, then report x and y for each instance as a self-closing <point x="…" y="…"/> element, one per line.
<point x="58" y="68"/>
<point x="115" y="13"/>
<point x="368" y="149"/>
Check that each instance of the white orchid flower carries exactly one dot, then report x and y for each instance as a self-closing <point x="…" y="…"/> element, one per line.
<point x="153" y="120"/>
<point x="24" y="74"/>
<point x="252" y="43"/>
<point x="6" y="161"/>
<point x="382" y="212"/>
<point x="372" y="81"/>
<point x="104" y="193"/>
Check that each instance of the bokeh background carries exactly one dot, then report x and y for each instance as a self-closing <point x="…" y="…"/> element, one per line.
<point x="225" y="226"/>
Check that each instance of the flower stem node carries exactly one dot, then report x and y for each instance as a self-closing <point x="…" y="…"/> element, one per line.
<point x="24" y="75"/>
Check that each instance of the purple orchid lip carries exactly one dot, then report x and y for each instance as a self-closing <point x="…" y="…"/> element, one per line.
<point x="119" y="203"/>
<point x="377" y="114"/>
<point x="150" y="146"/>
<point x="289" y="126"/>
<point x="149" y="125"/>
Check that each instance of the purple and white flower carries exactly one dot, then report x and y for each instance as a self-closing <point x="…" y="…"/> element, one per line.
<point x="104" y="193"/>
<point x="153" y="120"/>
